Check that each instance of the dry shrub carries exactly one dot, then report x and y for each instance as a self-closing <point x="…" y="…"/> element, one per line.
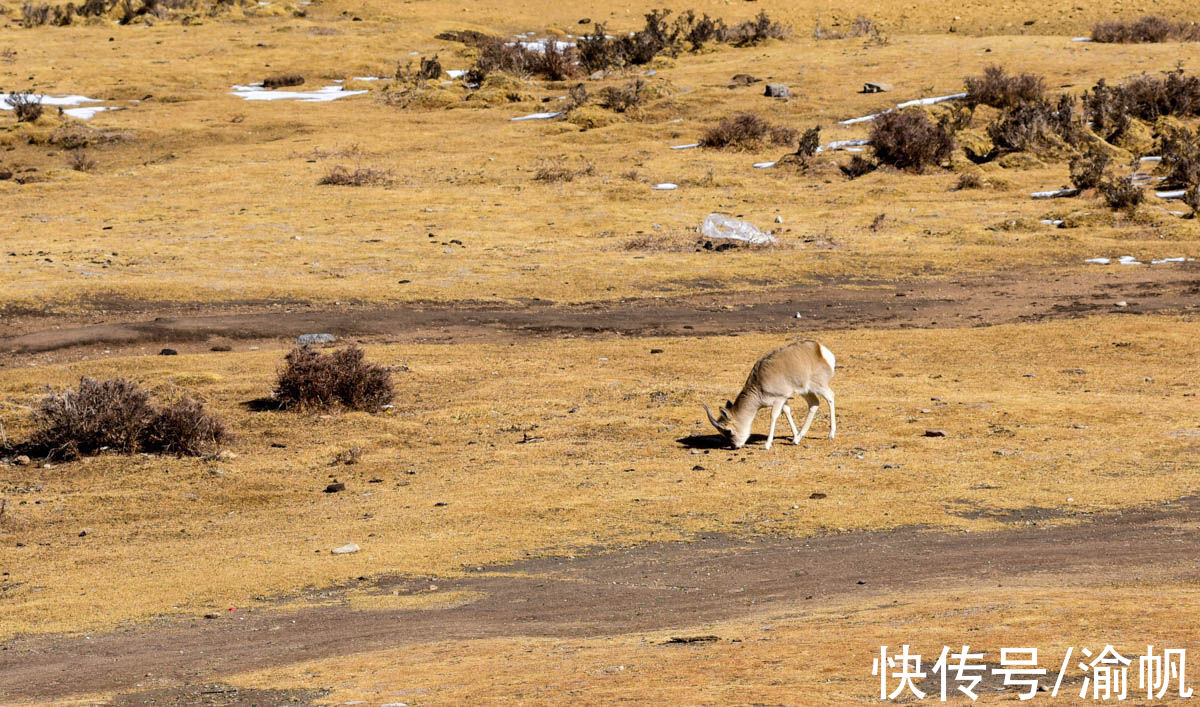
<point x="861" y="27"/>
<point x="1088" y="168"/>
<point x="282" y="80"/>
<point x="1180" y="151"/>
<point x="1192" y="198"/>
<point x="746" y="131"/>
<point x="26" y="105"/>
<point x="1146" y="29"/>
<point x="311" y="379"/>
<point x="596" y="51"/>
<point x="498" y="55"/>
<point x="347" y="457"/>
<point x="340" y="176"/>
<point x="969" y="180"/>
<point x="1110" y="108"/>
<point x="622" y="99"/>
<point x="857" y="167"/>
<point x="810" y="141"/>
<point x="998" y="89"/>
<point x="756" y="31"/>
<point x="1120" y="193"/>
<point x="430" y="69"/>
<point x="577" y="97"/>
<point x="183" y="428"/>
<point x="551" y="171"/>
<point x="908" y="139"/>
<point x="34" y="15"/>
<point x="109" y="414"/>
<point x="1022" y="128"/>
<point x="80" y="161"/>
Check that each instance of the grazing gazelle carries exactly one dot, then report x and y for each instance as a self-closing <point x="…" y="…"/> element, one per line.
<point x="801" y="368"/>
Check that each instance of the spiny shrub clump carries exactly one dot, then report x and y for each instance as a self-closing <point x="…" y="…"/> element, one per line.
<point x="1120" y="193"/>
<point x="282" y="80"/>
<point x="999" y="89"/>
<point x="340" y="176"/>
<point x="1146" y="29"/>
<point x="1088" y="168"/>
<point x="1180" y="151"/>
<point x="1110" y="108"/>
<point x="908" y="139"/>
<point x="311" y="379"/>
<point x="622" y="99"/>
<point x="27" y="106"/>
<point x="117" y="415"/>
<point x="745" y="131"/>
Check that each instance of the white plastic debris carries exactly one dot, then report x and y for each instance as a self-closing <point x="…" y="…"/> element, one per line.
<point x="320" y="95"/>
<point x="688" y="146"/>
<point x="722" y="227"/>
<point x="1081" y="39"/>
<point x="1160" y="261"/>
<point x="665" y="186"/>
<point x="1052" y="221"/>
<point x="931" y="100"/>
<point x="763" y="165"/>
<point x="1098" y="261"/>
<point x="1173" y="194"/>
<point x="455" y="73"/>
<point x="347" y="549"/>
<point x="539" y="116"/>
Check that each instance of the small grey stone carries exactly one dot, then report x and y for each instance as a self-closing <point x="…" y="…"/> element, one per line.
<point x="935" y="433"/>
<point x="345" y="549"/>
<point x="304" y="339"/>
<point x="876" y="87"/>
<point x="777" y="90"/>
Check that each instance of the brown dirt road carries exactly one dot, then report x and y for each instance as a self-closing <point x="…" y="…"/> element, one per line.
<point x="1008" y="297"/>
<point x="658" y="586"/>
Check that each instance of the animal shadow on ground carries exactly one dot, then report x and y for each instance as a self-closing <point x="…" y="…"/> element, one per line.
<point x="262" y="404"/>
<point x="718" y="442"/>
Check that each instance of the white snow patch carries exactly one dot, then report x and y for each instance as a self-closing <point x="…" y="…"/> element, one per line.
<point x="1098" y="261"/>
<point x="901" y="106"/>
<point x="59" y="101"/>
<point x="688" y="146"/>
<point x="86" y="113"/>
<point x="763" y="165"/>
<point x="539" y="116"/>
<point x="1081" y="39"/>
<point x="1129" y="260"/>
<point x="1052" y="221"/>
<point x="320" y="95"/>
<point x="665" y="186"/>
<point x="455" y="73"/>
<point x="1173" y="194"/>
<point x="1054" y="193"/>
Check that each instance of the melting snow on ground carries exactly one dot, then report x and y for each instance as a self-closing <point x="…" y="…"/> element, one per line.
<point x="255" y="92"/>
<point x="1054" y="193"/>
<point x="1130" y="260"/>
<point x="901" y="106"/>
<point x="665" y="186"/>
<point x="539" y="116"/>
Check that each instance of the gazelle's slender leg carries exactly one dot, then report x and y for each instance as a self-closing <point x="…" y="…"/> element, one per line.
<point x="812" y="401"/>
<point x="775" y="410"/>
<point x="828" y="395"/>
<point x="795" y="434"/>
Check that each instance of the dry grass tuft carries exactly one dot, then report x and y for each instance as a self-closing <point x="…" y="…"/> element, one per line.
<point x="747" y="131"/>
<point x="80" y="161"/>
<point x="908" y="139"/>
<point x="282" y="80"/>
<point x="27" y="106"/>
<point x="1146" y="29"/>
<point x="998" y="89"/>
<point x="340" y="176"/>
<point x="1120" y="194"/>
<point x="557" y="170"/>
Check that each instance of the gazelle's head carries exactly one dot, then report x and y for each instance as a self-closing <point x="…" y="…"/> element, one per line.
<point x="728" y="426"/>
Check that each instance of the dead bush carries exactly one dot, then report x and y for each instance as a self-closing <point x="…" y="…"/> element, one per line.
<point x="26" y="105"/>
<point x="969" y="180"/>
<point x="755" y="31"/>
<point x="857" y="167"/>
<point x="577" y="97"/>
<point x="554" y="62"/>
<point x="80" y="161"/>
<point x="596" y="51"/>
<point x="747" y="131"/>
<point x="1146" y="29"/>
<point x="909" y="140"/>
<point x="311" y="379"/>
<point x="622" y="99"/>
<point x="98" y="415"/>
<point x="1022" y="128"/>
<point x="430" y="69"/>
<point x="340" y="176"/>
<point x="282" y="80"/>
<point x="810" y="142"/>
<point x="1088" y="168"/>
<point x="552" y="171"/>
<point x="1192" y="198"/>
<point x="1144" y="97"/>
<point x="861" y="27"/>
<point x="1180" y="151"/>
<point x="699" y="31"/>
<point x="33" y="15"/>
<point x="183" y="428"/>
<point x="1120" y="193"/>
<point x="999" y="89"/>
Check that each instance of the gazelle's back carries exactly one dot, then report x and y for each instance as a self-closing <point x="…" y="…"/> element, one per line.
<point x="799" y="367"/>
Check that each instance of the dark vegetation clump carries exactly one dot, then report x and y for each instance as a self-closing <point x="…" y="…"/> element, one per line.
<point x="999" y="89"/>
<point x="1120" y="193"/>
<point x="746" y="131"/>
<point x="1147" y="98"/>
<point x="430" y="69"/>
<point x="1088" y="168"/>
<point x="498" y="55"/>
<point x="1146" y="29"/>
<point x="756" y="31"/>
<point x="969" y="180"/>
<point x="577" y="97"/>
<point x="282" y="80"/>
<point x="26" y="105"/>
<point x="810" y="142"/>
<point x="622" y="99"/>
<point x="340" y="176"/>
<point x="80" y="161"/>
<point x="1180" y="151"/>
<point x="1022" y="128"/>
<point x="117" y="415"/>
<point x="857" y="167"/>
<point x="311" y="379"/>
<point x="909" y="140"/>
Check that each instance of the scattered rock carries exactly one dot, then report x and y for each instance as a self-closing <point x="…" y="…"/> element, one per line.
<point x="1122" y="303"/>
<point x="935" y="433"/>
<point x="221" y="347"/>
<point x="777" y="90"/>
<point x="1075" y="371"/>
<point x="693" y="639"/>
<point x="876" y="87"/>
<point x="345" y="549"/>
<point x="697" y="468"/>
<point x="304" y="339"/>
<point x="335" y="487"/>
<point x="22" y="460"/>
<point x="83" y="533"/>
<point x="816" y="495"/>
<point x="744" y="80"/>
<point x="656" y="351"/>
<point x="862" y="581"/>
<point x="440" y="504"/>
<point x="168" y="352"/>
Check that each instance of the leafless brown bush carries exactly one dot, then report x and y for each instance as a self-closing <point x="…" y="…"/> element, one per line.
<point x="908" y="139"/>
<point x="999" y="89"/>
<point x="184" y="428"/>
<point x="1180" y="151"/>
<point x="282" y="80"/>
<point x="34" y="15"/>
<point x="340" y="176"/>
<point x="1120" y="193"/>
<point x="80" y="161"/>
<point x="311" y="379"/>
<point x="969" y="180"/>
<point x="430" y="69"/>
<point x="861" y="27"/>
<point x="1110" y="108"/>
<point x="26" y="105"/>
<point x="857" y="167"/>
<point x="755" y="31"/>
<point x="109" y="414"/>
<point x="1022" y="128"/>
<point x="1146" y="29"/>
<point x="1087" y="168"/>
<point x="746" y="131"/>
<point x="622" y="99"/>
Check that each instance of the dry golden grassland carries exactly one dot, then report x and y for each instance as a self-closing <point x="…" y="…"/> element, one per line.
<point x="609" y="470"/>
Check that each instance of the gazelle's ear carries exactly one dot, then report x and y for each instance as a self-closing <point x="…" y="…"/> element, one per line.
<point x="725" y="414"/>
<point x="728" y="405"/>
